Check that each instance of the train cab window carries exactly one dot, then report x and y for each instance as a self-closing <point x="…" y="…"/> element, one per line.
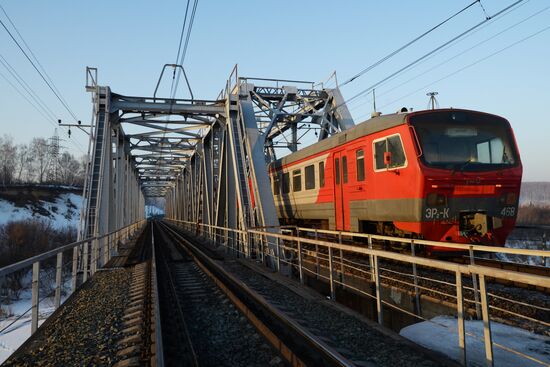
<point x="297" y="180"/>
<point x="321" y="174"/>
<point x="345" y="169"/>
<point x="276" y="185"/>
<point x="286" y="183"/>
<point x="310" y="177"/>
<point x="337" y="170"/>
<point x="389" y="153"/>
<point x="360" y="162"/>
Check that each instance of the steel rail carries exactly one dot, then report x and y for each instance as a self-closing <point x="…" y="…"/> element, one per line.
<point x="258" y="309"/>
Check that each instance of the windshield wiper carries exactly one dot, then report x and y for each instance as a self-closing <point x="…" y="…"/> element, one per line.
<point x="465" y="164"/>
<point x="462" y="166"/>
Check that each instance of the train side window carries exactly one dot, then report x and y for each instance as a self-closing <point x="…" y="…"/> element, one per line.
<point x="310" y="177"/>
<point x="297" y="180"/>
<point x="360" y="162"/>
<point x="337" y="170"/>
<point x="321" y="174"/>
<point x="395" y="147"/>
<point x="276" y="185"/>
<point x="379" y="149"/>
<point x="286" y="183"/>
<point x="345" y="168"/>
<point x="389" y="153"/>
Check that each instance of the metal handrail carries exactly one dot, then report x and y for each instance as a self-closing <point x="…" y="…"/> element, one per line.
<point x="8" y="269"/>
<point x="479" y="273"/>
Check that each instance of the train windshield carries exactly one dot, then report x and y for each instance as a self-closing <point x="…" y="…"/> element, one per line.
<point x="463" y="141"/>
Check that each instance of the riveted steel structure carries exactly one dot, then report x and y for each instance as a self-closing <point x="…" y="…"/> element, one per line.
<point x="207" y="158"/>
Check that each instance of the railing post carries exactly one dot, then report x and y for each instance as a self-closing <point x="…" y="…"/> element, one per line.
<point x="76" y="249"/>
<point x="415" y="279"/>
<point x="486" y="322"/>
<point x="35" y="295"/>
<point x="371" y="258"/>
<point x="278" y="254"/>
<point x="341" y="260"/>
<point x="300" y="262"/>
<point x="474" y="282"/>
<point x="58" y="279"/>
<point x="331" y="274"/>
<point x="85" y="262"/>
<point x="378" y="291"/>
<point x="317" y="265"/>
<point x="460" y="316"/>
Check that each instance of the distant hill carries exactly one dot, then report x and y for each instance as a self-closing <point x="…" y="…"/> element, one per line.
<point x="58" y="205"/>
<point x="537" y="193"/>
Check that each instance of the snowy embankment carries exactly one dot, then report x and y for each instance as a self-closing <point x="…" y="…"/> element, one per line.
<point x="56" y="206"/>
<point x="440" y="334"/>
<point x="63" y="211"/>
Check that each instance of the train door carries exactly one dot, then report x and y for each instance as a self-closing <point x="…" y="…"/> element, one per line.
<point x="340" y="179"/>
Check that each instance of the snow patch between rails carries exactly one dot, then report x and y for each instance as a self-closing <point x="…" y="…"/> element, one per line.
<point x="440" y="334"/>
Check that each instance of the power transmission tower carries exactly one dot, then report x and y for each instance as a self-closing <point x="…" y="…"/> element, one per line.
<point x="54" y="150"/>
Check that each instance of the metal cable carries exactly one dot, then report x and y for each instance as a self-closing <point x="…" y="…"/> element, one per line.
<point x="372" y="66"/>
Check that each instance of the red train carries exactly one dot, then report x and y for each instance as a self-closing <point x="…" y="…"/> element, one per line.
<point x="443" y="175"/>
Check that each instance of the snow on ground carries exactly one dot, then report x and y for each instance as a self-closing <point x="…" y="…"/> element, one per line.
<point x="440" y="334"/>
<point x="526" y="244"/>
<point x="64" y="212"/>
<point x="16" y="334"/>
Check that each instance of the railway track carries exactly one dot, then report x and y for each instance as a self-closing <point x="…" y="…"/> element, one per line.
<point x="357" y="341"/>
<point x="224" y="322"/>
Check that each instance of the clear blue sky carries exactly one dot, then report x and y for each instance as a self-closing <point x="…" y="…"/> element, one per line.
<point x="129" y="41"/>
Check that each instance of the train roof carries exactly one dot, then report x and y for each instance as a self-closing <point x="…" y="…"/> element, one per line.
<point x="370" y="126"/>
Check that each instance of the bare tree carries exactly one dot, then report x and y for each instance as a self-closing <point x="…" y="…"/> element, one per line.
<point x="8" y="152"/>
<point x="24" y="163"/>
<point x="41" y="157"/>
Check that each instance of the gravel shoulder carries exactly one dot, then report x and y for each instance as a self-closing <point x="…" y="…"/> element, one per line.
<point x="85" y="330"/>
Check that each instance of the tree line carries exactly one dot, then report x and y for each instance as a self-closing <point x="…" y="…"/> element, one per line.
<point x="40" y="162"/>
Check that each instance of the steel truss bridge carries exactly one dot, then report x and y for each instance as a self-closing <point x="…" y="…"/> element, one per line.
<point x="207" y="158"/>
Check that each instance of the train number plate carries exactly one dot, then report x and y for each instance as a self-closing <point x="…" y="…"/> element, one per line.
<point x="437" y="213"/>
<point x="508" y="211"/>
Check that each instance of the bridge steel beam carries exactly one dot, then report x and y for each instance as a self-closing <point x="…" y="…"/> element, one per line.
<point x="207" y="158"/>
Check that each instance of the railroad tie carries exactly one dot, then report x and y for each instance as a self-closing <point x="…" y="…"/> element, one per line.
<point x="134" y="342"/>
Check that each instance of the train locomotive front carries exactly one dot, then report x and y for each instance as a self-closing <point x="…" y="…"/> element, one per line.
<point x="443" y="175"/>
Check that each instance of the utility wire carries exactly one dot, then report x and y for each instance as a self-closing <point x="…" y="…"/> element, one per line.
<point x="458" y="54"/>
<point x="179" y="48"/>
<point x="39" y="72"/>
<point x="184" y="53"/>
<point x="32" y="53"/>
<point x="408" y="66"/>
<point x="27" y="99"/>
<point x="27" y="88"/>
<point x="372" y="66"/>
<point x="474" y="63"/>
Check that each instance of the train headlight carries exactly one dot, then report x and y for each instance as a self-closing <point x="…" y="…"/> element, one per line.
<point x="435" y="199"/>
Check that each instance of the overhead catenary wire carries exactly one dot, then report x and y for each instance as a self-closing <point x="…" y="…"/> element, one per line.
<point x="179" y="47"/>
<point x="32" y="53"/>
<point x="423" y="57"/>
<point x="19" y="79"/>
<point x="418" y="38"/>
<point x="187" y="38"/>
<point x="38" y="71"/>
<point x="474" y="63"/>
<point x="453" y="57"/>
